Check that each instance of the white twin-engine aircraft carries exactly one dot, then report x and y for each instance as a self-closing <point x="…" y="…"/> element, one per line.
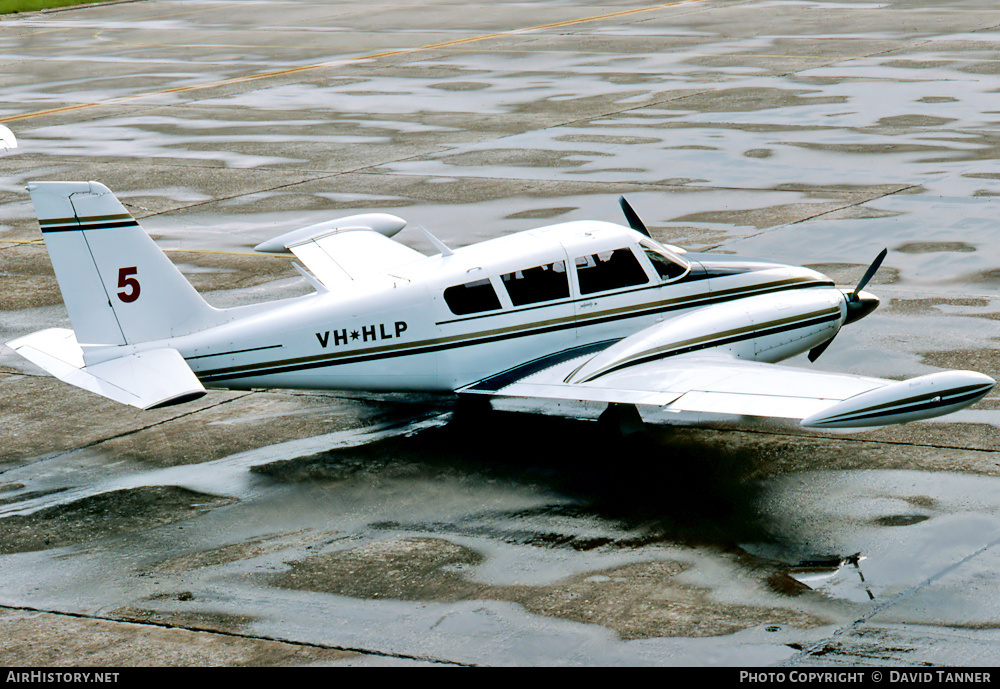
<point x="585" y="311"/>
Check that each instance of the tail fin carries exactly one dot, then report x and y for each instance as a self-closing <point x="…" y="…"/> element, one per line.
<point x="118" y="286"/>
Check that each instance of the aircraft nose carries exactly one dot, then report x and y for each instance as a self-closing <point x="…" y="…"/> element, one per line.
<point x="860" y="306"/>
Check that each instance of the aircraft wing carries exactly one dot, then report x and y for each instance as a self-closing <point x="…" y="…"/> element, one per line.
<point x="721" y="385"/>
<point x="339" y="259"/>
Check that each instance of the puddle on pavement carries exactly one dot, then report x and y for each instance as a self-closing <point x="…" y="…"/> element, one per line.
<point x="903" y="528"/>
<point x="101" y="516"/>
<point x="637" y="600"/>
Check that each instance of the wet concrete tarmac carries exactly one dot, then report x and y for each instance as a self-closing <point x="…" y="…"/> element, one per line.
<point x="302" y="528"/>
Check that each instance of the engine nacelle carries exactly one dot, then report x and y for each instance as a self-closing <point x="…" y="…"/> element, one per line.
<point x="768" y="327"/>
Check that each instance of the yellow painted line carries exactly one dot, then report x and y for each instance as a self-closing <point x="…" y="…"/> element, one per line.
<point x="228" y="253"/>
<point x="51" y="111"/>
<point x="373" y="56"/>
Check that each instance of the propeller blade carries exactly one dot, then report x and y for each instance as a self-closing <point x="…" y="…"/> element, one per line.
<point x="633" y="218"/>
<point x="857" y="308"/>
<point x="869" y="274"/>
<point x="816" y="351"/>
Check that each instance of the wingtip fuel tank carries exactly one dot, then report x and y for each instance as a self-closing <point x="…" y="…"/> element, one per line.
<point x="924" y="397"/>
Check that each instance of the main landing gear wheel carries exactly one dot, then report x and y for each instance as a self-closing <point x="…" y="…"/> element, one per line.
<point x="621" y="419"/>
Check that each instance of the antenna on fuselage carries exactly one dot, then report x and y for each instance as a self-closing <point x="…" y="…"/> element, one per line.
<point x="438" y="244"/>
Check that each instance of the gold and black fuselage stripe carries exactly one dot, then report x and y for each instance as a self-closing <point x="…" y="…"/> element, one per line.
<point x="485" y="336"/>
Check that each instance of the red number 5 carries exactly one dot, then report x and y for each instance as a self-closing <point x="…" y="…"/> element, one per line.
<point x="128" y="282"/>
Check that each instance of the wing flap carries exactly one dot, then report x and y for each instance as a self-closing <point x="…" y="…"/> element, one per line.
<point x="147" y="379"/>
<point x="743" y="404"/>
<point x="584" y="393"/>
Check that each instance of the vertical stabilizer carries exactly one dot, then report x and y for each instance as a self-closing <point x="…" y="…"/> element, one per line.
<point x="118" y="286"/>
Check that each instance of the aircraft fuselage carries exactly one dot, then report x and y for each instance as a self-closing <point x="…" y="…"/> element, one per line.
<point x="511" y="305"/>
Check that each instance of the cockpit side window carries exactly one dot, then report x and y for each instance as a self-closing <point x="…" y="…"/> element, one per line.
<point x="609" y="270"/>
<point x="666" y="267"/>
<point x="541" y="283"/>
<point x="472" y="297"/>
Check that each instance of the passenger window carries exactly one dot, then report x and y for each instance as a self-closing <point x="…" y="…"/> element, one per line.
<point x="666" y="268"/>
<point x="542" y="283"/>
<point x="609" y="270"/>
<point x="472" y="297"/>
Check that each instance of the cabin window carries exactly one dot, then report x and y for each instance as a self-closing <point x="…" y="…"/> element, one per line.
<point x="472" y="297"/>
<point x="541" y="283"/>
<point x="666" y="268"/>
<point x="609" y="270"/>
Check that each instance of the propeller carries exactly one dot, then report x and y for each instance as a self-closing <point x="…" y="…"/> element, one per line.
<point x="815" y="352"/>
<point x="857" y="306"/>
<point x="633" y="218"/>
<point x="869" y="274"/>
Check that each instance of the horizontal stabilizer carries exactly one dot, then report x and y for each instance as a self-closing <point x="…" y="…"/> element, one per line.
<point x="146" y="379"/>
